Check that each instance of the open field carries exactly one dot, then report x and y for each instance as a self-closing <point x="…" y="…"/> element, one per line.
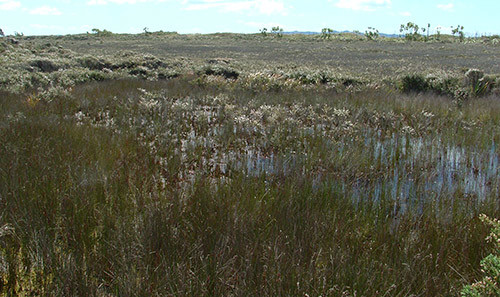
<point x="172" y="165"/>
<point x="351" y="55"/>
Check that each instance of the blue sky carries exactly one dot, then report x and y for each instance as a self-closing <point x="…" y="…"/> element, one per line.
<point x="33" y="17"/>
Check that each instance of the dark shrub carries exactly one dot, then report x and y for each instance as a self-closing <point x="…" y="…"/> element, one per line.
<point x="97" y="76"/>
<point x="414" y="83"/>
<point x="347" y="82"/>
<point x="93" y="63"/>
<point x="226" y="72"/>
<point x="45" y="65"/>
<point x="140" y="70"/>
<point x="167" y="74"/>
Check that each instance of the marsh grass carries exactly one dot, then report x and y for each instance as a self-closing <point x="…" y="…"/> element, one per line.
<point x="207" y="187"/>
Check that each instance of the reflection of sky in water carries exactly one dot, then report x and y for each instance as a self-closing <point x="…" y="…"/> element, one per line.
<point x="421" y="168"/>
<point x="413" y="169"/>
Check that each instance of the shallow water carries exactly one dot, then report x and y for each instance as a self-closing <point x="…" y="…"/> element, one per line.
<point x="418" y="169"/>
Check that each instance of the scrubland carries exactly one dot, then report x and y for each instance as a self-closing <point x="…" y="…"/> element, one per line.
<point x="235" y="165"/>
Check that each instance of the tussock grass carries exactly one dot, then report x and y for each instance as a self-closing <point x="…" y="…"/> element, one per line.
<point x="211" y="187"/>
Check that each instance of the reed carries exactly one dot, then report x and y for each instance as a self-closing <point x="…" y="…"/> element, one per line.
<point x="207" y="188"/>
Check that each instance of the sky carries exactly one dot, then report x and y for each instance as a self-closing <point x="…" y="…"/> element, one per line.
<point x="57" y="17"/>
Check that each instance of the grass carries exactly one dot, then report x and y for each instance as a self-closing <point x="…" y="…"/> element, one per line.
<point x="274" y="183"/>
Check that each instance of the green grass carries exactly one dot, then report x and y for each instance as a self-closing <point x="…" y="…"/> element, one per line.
<point x="202" y="186"/>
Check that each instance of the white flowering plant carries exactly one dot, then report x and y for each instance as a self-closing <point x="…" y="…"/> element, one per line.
<point x="490" y="265"/>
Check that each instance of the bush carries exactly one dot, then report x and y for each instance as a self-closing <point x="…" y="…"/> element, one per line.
<point x="478" y="84"/>
<point x="93" y="63"/>
<point x="226" y="72"/>
<point x="414" y="83"/>
<point x="490" y="284"/>
<point x="102" y="33"/>
<point x="410" y="31"/>
<point x="372" y="33"/>
<point x="45" y="65"/>
<point x="326" y="33"/>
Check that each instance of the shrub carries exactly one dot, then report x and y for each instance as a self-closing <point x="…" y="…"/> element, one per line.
<point x="226" y="72"/>
<point x="102" y="33"/>
<point x="277" y="31"/>
<point x="477" y="83"/>
<point x="414" y="83"/>
<point x="93" y="63"/>
<point x="45" y="65"/>
<point x="459" y="30"/>
<point x="372" y="33"/>
<point x="443" y="84"/>
<point x="410" y="31"/>
<point x="490" y="284"/>
<point x="326" y="33"/>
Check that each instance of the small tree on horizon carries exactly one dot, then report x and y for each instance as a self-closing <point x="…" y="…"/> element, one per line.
<point x="326" y="33"/>
<point x="459" y="30"/>
<point x="277" y="31"/>
<point x="372" y="33"/>
<point x="1" y="33"/>
<point x="410" y="31"/>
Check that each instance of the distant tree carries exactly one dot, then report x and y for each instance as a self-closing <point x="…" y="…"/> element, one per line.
<point x="1" y="33"/>
<point x="146" y="31"/>
<point x="263" y="31"/>
<point x="372" y="33"/>
<point x="410" y="31"/>
<point x="277" y="31"/>
<point x="459" y="30"/>
<point x="326" y="33"/>
<point x="101" y="33"/>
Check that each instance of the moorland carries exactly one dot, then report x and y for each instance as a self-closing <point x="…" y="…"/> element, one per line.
<point x="161" y="164"/>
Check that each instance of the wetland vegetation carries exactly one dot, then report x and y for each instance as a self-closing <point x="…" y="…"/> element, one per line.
<point x="235" y="165"/>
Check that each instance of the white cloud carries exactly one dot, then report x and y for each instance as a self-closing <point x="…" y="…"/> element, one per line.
<point x="267" y="7"/>
<point x="446" y="7"/>
<point x="46" y="27"/>
<point x="45" y="10"/>
<point x="9" y="4"/>
<point x="260" y="25"/>
<point x="104" y="2"/>
<point x="443" y="29"/>
<point x="365" y="5"/>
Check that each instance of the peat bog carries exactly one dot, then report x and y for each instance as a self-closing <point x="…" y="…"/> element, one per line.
<point x="234" y="165"/>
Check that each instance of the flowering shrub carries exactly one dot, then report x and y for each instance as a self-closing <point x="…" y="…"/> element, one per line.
<point x="490" y="284"/>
